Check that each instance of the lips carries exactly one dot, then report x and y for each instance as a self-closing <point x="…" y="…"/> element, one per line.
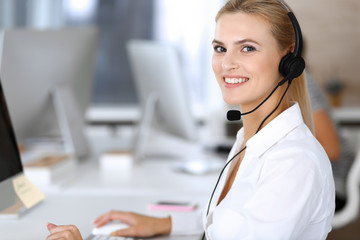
<point x="235" y="80"/>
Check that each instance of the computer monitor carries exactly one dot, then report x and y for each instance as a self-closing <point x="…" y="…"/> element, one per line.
<point x="13" y="184"/>
<point x="36" y="67"/>
<point x="160" y="86"/>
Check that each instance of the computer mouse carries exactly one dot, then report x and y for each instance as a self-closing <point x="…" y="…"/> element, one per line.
<point x="198" y="166"/>
<point x="108" y="228"/>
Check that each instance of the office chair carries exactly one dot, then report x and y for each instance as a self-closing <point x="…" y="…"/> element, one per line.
<point x="351" y="210"/>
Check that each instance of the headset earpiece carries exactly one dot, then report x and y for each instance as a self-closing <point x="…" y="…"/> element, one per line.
<point x="291" y="67"/>
<point x="284" y="62"/>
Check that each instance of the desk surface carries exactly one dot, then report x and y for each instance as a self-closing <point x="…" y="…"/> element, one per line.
<point x="148" y="177"/>
<point x="91" y="193"/>
<point x="79" y="210"/>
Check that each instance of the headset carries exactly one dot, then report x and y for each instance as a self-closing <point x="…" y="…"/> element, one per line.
<point x="291" y="66"/>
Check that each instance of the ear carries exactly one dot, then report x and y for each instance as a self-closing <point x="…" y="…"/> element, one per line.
<point x="288" y="50"/>
<point x="292" y="48"/>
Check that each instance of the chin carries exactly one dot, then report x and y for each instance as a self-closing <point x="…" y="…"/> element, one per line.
<point x="232" y="101"/>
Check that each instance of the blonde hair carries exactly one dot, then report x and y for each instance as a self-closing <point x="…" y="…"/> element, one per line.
<point x="274" y="12"/>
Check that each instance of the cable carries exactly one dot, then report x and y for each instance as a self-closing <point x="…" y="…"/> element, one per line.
<point x="274" y="108"/>
<point x="262" y="101"/>
<point x="222" y="171"/>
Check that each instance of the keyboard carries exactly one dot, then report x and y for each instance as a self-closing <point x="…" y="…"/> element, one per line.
<point x="107" y="237"/>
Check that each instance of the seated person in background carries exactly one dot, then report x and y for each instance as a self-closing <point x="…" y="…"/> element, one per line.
<point x="335" y="145"/>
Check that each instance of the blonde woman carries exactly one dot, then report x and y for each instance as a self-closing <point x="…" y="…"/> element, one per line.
<point x="278" y="182"/>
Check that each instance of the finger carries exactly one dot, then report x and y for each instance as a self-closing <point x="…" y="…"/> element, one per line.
<point x="110" y="216"/>
<point x="65" y="228"/>
<point x="64" y="235"/>
<point x="53" y="237"/>
<point x="126" y="232"/>
<point x="104" y="218"/>
<point x="60" y="236"/>
<point x="50" y="226"/>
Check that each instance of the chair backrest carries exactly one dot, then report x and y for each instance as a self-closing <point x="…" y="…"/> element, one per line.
<point x="351" y="210"/>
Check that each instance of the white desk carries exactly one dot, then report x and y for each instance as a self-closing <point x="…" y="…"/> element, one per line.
<point x="149" y="177"/>
<point x="80" y="210"/>
<point x="90" y="194"/>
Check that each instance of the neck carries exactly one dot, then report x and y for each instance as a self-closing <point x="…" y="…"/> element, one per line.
<point x="252" y="121"/>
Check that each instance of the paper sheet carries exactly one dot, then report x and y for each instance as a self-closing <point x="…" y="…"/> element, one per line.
<point x="28" y="193"/>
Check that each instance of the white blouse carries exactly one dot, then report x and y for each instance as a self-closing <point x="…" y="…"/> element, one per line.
<point x="284" y="187"/>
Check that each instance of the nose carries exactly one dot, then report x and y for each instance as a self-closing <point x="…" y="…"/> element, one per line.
<point x="230" y="61"/>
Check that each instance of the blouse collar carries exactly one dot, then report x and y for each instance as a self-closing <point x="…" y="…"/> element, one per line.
<point x="273" y="132"/>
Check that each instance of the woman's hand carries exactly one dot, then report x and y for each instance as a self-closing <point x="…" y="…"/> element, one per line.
<point x="65" y="232"/>
<point x="139" y="225"/>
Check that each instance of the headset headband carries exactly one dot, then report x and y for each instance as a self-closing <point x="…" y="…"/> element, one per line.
<point x="297" y="30"/>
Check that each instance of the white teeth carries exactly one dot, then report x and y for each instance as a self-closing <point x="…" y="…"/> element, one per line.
<point x="236" y="80"/>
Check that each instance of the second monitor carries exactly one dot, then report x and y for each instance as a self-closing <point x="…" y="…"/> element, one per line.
<point x="160" y="85"/>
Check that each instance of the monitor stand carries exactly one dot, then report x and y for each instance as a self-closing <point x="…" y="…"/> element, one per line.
<point x="49" y="167"/>
<point x="71" y="123"/>
<point x="145" y="125"/>
<point x="69" y="137"/>
<point x="151" y="143"/>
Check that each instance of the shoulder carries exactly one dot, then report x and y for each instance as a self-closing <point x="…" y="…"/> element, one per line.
<point x="298" y="153"/>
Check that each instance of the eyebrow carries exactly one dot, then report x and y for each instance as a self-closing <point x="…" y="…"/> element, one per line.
<point x="237" y="42"/>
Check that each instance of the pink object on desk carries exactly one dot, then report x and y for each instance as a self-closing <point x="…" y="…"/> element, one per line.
<point x="181" y="207"/>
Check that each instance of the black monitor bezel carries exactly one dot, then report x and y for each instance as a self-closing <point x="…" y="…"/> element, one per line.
<point x="6" y="116"/>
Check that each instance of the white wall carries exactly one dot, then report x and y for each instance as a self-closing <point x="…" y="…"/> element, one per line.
<point x="332" y="32"/>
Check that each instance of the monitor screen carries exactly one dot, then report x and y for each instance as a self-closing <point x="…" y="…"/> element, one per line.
<point x="159" y="82"/>
<point x="157" y="72"/>
<point x="10" y="163"/>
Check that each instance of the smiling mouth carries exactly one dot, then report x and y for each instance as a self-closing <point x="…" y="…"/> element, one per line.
<point x="236" y="80"/>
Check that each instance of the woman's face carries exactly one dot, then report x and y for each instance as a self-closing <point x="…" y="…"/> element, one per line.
<point x="246" y="58"/>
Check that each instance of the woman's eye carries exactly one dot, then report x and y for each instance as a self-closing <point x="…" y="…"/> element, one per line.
<point x="248" y="49"/>
<point x="219" y="49"/>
